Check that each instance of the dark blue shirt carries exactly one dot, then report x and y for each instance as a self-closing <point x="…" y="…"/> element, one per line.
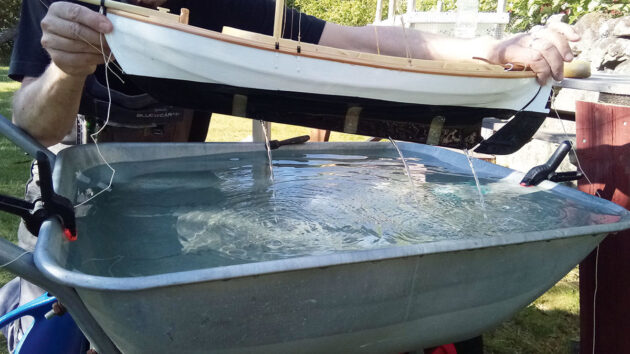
<point x="30" y="59"/>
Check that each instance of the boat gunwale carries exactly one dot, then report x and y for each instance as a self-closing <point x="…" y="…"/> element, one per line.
<point x="52" y="229"/>
<point x="328" y="56"/>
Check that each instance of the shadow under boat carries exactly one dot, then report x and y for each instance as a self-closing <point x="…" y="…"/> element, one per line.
<point x="442" y="125"/>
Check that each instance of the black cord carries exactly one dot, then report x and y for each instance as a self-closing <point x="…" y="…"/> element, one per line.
<point x="530" y="101"/>
<point x="103" y="8"/>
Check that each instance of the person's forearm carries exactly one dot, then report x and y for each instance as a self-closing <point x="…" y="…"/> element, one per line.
<point x="46" y="107"/>
<point x="396" y="41"/>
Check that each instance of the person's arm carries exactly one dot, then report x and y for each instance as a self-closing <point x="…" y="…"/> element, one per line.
<point x="544" y="51"/>
<point x="46" y="106"/>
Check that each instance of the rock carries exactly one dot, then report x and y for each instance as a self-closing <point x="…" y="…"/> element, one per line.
<point x="622" y="28"/>
<point x="617" y="52"/>
<point x="605" y="30"/>
<point x="623" y="68"/>
<point x="566" y="98"/>
<point x="596" y="53"/>
<point x="605" y="42"/>
<point x="588" y="27"/>
<point x="591" y="20"/>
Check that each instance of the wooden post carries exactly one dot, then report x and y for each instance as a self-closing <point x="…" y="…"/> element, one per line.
<point x="319" y="135"/>
<point x="603" y="143"/>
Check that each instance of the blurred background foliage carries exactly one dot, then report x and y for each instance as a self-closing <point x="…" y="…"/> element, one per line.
<point x="9" y="15"/>
<point x="524" y="14"/>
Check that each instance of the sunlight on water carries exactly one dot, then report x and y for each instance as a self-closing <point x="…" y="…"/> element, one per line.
<point x="404" y="162"/>
<point x="482" y="202"/>
<point x="174" y="215"/>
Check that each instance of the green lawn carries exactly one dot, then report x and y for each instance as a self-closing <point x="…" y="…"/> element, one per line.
<point x="545" y="326"/>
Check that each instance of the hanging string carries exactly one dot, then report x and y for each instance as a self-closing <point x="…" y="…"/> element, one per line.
<point x="94" y="136"/>
<point x="299" y="28"/>
<point x="291" y="24"/>
<point x="378" y="49"/>
<point x="14" y="259"/>
<point x="566" y="136"/>
<point x="402" y="22"/>
<point x="579" y="166"/>
<point x="284" y="21"/>
<point x="595" y="295"/>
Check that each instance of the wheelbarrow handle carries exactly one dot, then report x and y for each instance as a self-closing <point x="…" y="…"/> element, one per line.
<point x="20" y="262"/>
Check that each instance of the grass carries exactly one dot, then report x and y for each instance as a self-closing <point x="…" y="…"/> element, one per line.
<point x="228" y="128"/>
<point x="545" y="326"/>
<point x="14" y="172"/>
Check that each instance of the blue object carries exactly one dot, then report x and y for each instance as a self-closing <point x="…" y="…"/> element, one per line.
<point x="57" y="335"/>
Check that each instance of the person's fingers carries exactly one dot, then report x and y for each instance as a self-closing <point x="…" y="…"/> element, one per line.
<point x="71" y="30"/>
<point x="566" y="30"/>
<point x="75" y="63"/>
<point x="559" y="41"/>
<point x="80" y="14"/>
<point x="51" y="41"/>
<point x="517" y="53"/>
<point x="551" y="56"/>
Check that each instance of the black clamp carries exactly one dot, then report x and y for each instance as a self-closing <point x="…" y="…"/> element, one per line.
<point x="537" y="174"/>
<point x="50" y="204"/>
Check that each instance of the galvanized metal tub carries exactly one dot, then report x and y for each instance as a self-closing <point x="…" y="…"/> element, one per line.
<point x="383" y="300"/>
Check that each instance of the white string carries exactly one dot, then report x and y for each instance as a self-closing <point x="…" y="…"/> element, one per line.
<point x="378" y="49"/>
<point x="14" y="259"/>
<point x="595" y="295"/>
<point x="407" y="50"/>
<point x="579" y="166"/>
<point x="299" y="27"/>
<point x="95" y="135"/>
<point x="566" y="136"/>
<point x="291" y="35"/>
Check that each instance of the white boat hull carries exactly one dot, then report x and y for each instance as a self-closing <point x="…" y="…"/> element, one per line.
<point x="146" y="49"/>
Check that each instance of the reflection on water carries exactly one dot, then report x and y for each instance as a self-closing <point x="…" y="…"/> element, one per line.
<point x="173" y="215"/>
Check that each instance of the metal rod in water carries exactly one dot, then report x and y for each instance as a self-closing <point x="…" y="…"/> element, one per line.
<point x="413" y="186"/>
<point x="472" y="168"/>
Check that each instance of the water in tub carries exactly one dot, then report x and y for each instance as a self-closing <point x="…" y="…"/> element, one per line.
<point x="198" y="212"/>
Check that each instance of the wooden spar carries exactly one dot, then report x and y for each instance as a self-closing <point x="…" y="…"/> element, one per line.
<point x="277" y="21"/>
<point x="138" y="10"/>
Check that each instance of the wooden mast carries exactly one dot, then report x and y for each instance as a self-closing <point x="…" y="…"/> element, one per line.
<point x="277" y="22"/>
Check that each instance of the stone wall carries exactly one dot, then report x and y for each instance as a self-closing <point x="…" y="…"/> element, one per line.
<point x="605" y="42"/>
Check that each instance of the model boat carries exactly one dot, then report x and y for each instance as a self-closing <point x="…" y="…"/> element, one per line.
<point x="283" y="80"/>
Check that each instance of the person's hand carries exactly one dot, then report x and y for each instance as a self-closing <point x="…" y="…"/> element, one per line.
<point x="543" y="49"/>
<point x="71" y="34"/>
